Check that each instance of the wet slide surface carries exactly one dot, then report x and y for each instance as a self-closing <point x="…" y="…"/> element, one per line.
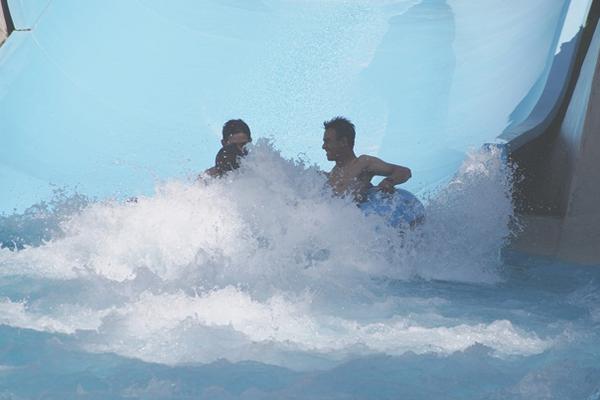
<point x="261" y="285"/>
<point x="107" y="97"/>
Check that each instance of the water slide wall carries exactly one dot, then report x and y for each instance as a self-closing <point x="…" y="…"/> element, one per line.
<point x="556" y="151"/>
<point x="140" y="91"/>
<point x="6" y="25"/>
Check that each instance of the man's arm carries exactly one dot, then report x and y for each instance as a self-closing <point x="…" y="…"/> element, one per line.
<point x="395" y="174"/>
<point x="212" y="172"/>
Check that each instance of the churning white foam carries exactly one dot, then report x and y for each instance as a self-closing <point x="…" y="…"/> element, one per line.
<point x="265" y="264"/>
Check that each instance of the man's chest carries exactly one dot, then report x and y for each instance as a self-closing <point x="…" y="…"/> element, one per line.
<point x="343" y="176"/>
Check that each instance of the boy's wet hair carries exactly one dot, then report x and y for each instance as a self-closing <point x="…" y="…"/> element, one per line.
<point x="227" y="158"/>
<point x="234" y="126"/>
<point x="343" y="129"/>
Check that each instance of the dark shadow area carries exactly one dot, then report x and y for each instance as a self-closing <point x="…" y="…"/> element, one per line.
<point x="534" y="186"/>
<point x="543" y="168"/>
<point x="10" y="26"/>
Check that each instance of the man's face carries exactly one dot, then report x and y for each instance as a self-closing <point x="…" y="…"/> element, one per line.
<point x="332" y="145"/>
<point x="239" y="138"/>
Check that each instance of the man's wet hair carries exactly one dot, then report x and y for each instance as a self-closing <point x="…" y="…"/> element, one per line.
<point x="227" y="158"/>
<point x="234" y="126"/>
<point x="343" y="129"/>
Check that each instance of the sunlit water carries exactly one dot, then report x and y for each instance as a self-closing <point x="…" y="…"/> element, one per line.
<point x="263" y="285"/>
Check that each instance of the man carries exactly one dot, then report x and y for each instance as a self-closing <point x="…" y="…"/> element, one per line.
<point x="351" y="174"/>
<point x="235" y="131"/>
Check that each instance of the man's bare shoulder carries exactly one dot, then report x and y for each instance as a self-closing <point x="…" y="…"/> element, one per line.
<point x="366" y="160"/>
<point x="367" y="157"/>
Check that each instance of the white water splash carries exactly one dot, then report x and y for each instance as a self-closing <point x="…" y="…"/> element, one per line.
<point x="265" y="264"/>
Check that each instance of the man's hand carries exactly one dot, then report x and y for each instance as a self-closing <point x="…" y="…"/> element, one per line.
<point x="395" y="174"/>
<point x="386" y="185"/>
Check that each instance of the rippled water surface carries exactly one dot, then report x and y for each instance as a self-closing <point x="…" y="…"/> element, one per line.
<point x="262" y="285"/>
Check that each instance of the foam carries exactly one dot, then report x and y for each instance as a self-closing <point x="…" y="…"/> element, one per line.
<point x="229" y="324"/>
<point x="265" y="264"/>
<point x="70" y="320"/>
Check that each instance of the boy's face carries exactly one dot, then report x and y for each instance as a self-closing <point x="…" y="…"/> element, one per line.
<point x="239" y="138"/>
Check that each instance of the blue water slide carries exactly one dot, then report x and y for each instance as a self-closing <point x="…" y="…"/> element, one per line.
<point x="534" y="114"/>
<point x="107" y="97"/>
<point x="555" y="149"/>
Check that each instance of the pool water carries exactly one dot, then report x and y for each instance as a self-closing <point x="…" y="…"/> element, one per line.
<point x="262" y="285"/>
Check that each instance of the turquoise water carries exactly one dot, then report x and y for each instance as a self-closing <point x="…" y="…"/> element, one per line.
<point x="262" y="285"/>
<point x="558" y="302"/>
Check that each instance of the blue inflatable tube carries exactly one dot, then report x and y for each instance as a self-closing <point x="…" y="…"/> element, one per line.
<point x="400" y="209"/>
